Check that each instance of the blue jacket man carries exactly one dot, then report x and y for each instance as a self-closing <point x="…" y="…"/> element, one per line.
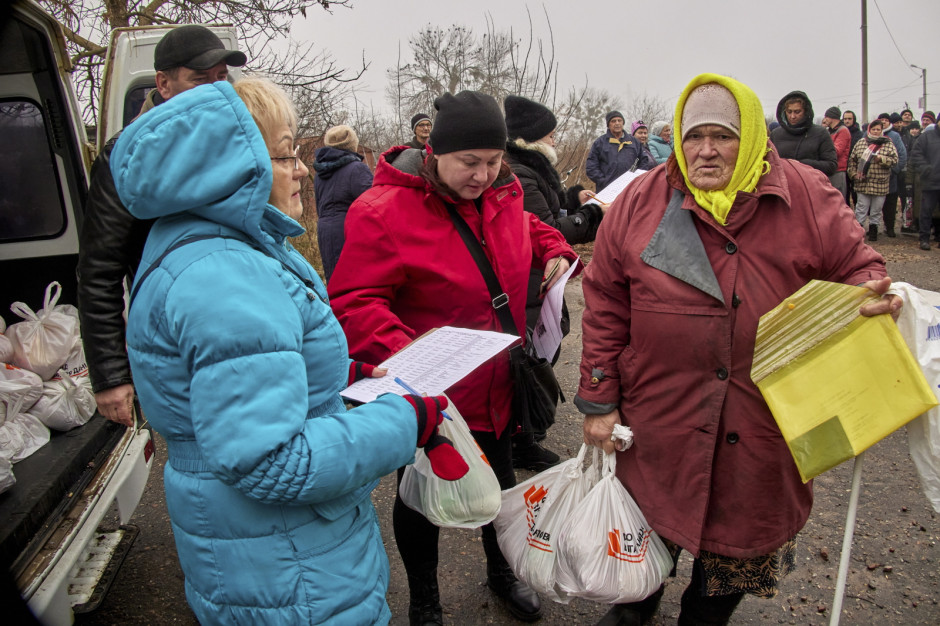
<point x="614" y="153"/>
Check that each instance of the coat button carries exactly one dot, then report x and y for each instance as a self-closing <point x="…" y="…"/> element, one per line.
<point x="311" y="295"/>
<point x="732" y="438"/>
<point x="595" y="380"/>
<point x="515" y="193"/>
<point x="735" y="301"/>
<point x="721" y="373"/>
<point x="731" y="248"/>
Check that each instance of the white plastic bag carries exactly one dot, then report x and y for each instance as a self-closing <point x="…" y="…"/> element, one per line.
<point x="606" y="551"/>
<point x="531" y="516"/>
<point x="469" y="502"/>
<point x="66" y="402"/>
<point x="42" y="343"/>
<point x="21" y="434"/>
<point x="6" y="348"/>
<point x="919" y="324"/>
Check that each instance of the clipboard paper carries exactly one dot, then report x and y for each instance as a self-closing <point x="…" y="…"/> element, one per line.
<point x="836" y="382"/>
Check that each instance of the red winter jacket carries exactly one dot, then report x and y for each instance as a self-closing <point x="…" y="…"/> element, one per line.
<point x="404" y="270"/>
<point x="842" y="139"/>
<point x="708" y="467"/>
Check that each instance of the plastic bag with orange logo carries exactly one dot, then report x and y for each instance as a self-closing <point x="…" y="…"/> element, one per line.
<point x="606" y="550"/>
<point x="533" y="512"/>
<point x="469" y="502"/>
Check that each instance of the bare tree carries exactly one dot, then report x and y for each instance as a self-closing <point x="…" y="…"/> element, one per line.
<point x="647" y="108"/>
<point x="87" y="24"/>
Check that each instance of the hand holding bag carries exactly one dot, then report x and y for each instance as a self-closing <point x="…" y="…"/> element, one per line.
<point x="468" y="502"/>
<point x="606" y="550"/>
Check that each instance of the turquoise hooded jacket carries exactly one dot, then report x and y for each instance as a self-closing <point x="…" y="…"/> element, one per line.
<point x="238" y="363"/>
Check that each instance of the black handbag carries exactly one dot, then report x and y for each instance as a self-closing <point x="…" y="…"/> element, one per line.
<point x="536" y="390"/>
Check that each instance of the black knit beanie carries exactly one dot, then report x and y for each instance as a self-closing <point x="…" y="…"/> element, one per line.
<point x="468" y="121"/>
<point x="612" y="115"/>
<point x="417" y="119"/>
<point x="528" y="119"/>
<point x="834" y="113"/>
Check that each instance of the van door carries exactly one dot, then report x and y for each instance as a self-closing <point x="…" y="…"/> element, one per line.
<point x="129" y="74"/>
<point x="44" y="161"/>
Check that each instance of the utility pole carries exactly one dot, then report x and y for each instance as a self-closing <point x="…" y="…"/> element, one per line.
<point x="923" y="74"/>
<point x="865" y="60"/>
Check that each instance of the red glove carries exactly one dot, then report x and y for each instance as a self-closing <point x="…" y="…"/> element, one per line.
<point x="446" y="462"/>
<point x="359" y="370"/>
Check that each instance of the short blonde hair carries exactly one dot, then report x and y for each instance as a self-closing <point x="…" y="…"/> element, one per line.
<point x="269" y="105"/>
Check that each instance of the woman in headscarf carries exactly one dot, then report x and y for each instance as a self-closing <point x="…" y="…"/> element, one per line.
<point x="870" y="170"/>
<point x="406" y="269"/>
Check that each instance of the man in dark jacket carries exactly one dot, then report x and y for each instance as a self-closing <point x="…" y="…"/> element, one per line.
<point x="842" y="140"/>
<point x="111" y="240"/>
<point x="421" y="127"/>
<point x="799" y="139"/>
<point x="614" y="153"/>
<point x="925" y="161"/>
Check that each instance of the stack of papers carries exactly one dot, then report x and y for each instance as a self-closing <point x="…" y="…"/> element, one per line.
<point x="836" y="382"/>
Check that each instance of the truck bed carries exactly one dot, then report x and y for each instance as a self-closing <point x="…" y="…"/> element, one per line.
<point x="46" y="484"/>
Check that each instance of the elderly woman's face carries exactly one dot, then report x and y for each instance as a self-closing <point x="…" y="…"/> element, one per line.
<point x="666" y="133"/>
<point x="289" y="171"/>
<point x="469" y="172"/>
<point x="711" y="152"/>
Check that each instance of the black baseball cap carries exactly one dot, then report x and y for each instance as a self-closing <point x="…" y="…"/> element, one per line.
<point x="195" y="47"/>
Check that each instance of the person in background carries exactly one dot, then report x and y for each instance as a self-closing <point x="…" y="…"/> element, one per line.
<point x="851" y="122"/>
<point x="927" y="119"/>
<point x="111" y="240"/>
<point x="421" y="127"/>
<point x="405" y="269"/>
<point x="709" y="469"/>
<point x="530" y="152"/>
<point x="842" y="140"/>
<point x="660" y="145"/>
<point x="614" y="153"/>
<point x="341" y="177"/>
<point x="268" y="476"/>
<point x="870" y="168"/>
<point x="925" y="161"/>
<point x="799" y="138"/>
<point x="890" y="209"/>
<point x="639" y="130"/>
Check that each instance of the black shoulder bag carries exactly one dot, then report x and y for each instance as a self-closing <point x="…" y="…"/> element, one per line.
<point x="536" y="393"/>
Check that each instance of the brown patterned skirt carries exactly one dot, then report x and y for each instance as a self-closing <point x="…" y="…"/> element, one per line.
<point x="758" y="575"/>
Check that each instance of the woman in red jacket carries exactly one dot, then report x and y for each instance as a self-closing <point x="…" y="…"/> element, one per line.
<point x="405" y="270"/>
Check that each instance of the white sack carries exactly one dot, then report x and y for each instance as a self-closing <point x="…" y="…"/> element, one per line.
<point x="66" y="402"/>
<point x="45" y="339"/>
<point x="6" y="348"/>
<point x="919" y="324"/>
<point x="468" y="502"/>
<point x="7" y="479"/>
<point x="18" y="388"/>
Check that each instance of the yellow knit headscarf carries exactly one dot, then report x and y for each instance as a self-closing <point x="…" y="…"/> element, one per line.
<point x="750" y="165"/>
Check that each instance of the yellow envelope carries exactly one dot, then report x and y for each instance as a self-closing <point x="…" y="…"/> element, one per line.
<point x="836" y="382"/>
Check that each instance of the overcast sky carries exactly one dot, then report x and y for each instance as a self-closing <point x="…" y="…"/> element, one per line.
<point x="633" y="46"/>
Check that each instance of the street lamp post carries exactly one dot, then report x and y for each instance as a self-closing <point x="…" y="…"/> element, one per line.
<point x="923" y="75"/>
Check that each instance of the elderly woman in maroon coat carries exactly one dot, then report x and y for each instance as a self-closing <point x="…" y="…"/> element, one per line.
<point x="689" y="258"/>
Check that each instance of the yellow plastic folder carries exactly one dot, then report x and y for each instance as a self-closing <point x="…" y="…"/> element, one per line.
<point x="835" y="381"/>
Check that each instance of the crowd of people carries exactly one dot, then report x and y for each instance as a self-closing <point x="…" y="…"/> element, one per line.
<point x="238" y="350"/>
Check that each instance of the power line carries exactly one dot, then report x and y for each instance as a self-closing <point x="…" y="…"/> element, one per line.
<point x="906" y="62"/>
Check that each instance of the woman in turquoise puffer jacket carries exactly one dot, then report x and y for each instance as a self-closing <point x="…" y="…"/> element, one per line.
<point x="238" y="362"/>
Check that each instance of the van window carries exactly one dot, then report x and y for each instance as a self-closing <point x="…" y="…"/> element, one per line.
<point x="134" y="100"/>
<point x="30" y="205"/>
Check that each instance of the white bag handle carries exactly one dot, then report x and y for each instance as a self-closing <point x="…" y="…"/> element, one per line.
<point x="50" y="300"/>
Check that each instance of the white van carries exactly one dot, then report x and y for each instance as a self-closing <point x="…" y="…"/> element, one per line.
<point x="64" y="524"/>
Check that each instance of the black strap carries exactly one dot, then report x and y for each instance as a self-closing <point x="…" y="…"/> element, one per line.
<point x="498" y="297"/>
<point x="188" y="240"/>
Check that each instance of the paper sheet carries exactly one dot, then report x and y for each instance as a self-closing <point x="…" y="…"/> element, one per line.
<point x="609" y="193"/>
<point x="433" y="362"/>
<point x="546" y="336"/>
<point x="836" y="382"/>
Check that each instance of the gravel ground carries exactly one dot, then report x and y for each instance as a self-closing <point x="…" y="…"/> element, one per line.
<point x="893" y="577"/>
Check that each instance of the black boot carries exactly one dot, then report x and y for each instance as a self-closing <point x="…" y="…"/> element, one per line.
<point x="889" y="231"/>
<point x="872" y="233"/>
<point x="527" y="454"/>
<point x="520" y="599"/>
<point x="425" y="607"/>
<point x="633" y="613"/>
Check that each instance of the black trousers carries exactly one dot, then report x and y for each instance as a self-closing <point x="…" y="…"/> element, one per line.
<point x="417" y="538"/>
<point x="889" y="211"/>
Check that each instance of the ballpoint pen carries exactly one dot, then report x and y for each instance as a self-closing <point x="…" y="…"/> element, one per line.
<point x="410" y="390"/>
<point x="594" y="197"/>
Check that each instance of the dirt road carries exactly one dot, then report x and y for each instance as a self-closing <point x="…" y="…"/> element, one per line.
<point x="893" y="577"/>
